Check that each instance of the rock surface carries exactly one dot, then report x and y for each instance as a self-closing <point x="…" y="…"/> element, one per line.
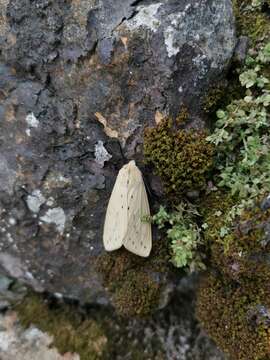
<point x="171" y="334"/>
<point x="19" y="344"/>
<point x="79" y="81"/>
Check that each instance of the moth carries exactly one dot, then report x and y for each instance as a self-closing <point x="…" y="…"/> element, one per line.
<point x="128" y="205"/>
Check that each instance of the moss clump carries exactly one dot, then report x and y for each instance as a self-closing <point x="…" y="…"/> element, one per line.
<point x="246" y="256"/>
<point x="252" y="21"/>
<point x="182" y="116"/>
<point x="138" y="294"/>
<point x="70" y="331"/>
<point x="237" y="318"/>
<point x="213" y="99"/>
<point x="132" y="280"/>
<point x="181" y="158"/>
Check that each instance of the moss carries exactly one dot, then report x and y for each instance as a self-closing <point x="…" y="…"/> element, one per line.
<point x="213" y="99"/>
<point x="251" y="22"/>
<point x="240" y="255"/>
<point x="132" y="280"/>
<point x="182" y="116"/>
<point x="70" y="331"/>
<point x="138" y="294"/>
<point x="236" y="317"/>
<point x="221" y="95"/>
<point x="94" y="333"/>
<point x="181" y="158"/>
<point x="214" y="207"/>
<point x="233" y="304"/>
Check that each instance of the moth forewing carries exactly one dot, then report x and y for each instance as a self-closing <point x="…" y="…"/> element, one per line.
<point x="115" y="226"/>
<point x="138" y="238"/>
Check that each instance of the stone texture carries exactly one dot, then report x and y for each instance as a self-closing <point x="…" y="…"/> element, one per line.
<point x="79" y="81"/>
<point x="19" y="344"/>
<point x="171" y="334"/>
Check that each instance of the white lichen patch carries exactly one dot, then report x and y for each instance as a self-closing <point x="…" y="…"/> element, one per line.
<point x="108" y="131"/>
<point x="171" y="46"/>
<point x="146" y="17"/>
<point x="55" y="216"/>
<point x="35" y="200"/>
<point x="32" y="122"/>
<point x="101" y="154"/>
<point x="200" y="61"/>
<point x="182" y="28"/>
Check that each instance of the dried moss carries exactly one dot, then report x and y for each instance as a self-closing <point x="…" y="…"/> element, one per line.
<point x="133" y="281"/>
<point x="181" y="158"/>
<point x="70" y="331"/>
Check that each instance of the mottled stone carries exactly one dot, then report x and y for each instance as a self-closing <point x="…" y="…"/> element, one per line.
<point x="79" y="81"/>
<point x="17" y="343"/>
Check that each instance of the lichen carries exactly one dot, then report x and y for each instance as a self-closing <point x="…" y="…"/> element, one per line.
<point x="135" y="283"/>
<point x="182" y="158"/>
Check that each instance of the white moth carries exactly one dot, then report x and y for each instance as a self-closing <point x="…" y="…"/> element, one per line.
<point x="128" y="204"/>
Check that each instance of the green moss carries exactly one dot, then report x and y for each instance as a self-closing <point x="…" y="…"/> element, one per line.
<point x="93" y="333"/>
<point x="182" y="116"/>
<point x="131" y="280"/>
<point x="214" y="207"/>
<point x="71" y="333"/>
<point x="213" y="99"/>
<point x="236" y="317"/>
<point x="233" y="302"/>
<point x="220" y="96"/>
<point x="181" y="158"/>
<point x="138" y="294"/>
<point x="229" y="302"/>
<point x="251" y="22"/>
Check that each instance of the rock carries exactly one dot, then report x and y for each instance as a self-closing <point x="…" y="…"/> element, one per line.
<point x="19" y="344"/>
<point x="5" y="283"/>
<point x="241" y="49"/>
<point x="79" y="82"/>
<point x="265" y="204"/>
<point x="11" y="292"/>
<point x="173" y="333"/>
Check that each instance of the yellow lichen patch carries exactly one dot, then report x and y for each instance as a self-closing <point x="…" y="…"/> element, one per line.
<point x="158" y="117"/>
<point x="108" y="131"/>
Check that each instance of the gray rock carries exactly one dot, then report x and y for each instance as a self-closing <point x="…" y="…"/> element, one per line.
<point x="24" y="344"/>
<point x="241" y="49"/>
<point x="5" y="283"/>
<point x="81" y="74"/>
<point x="265" y="204"/>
